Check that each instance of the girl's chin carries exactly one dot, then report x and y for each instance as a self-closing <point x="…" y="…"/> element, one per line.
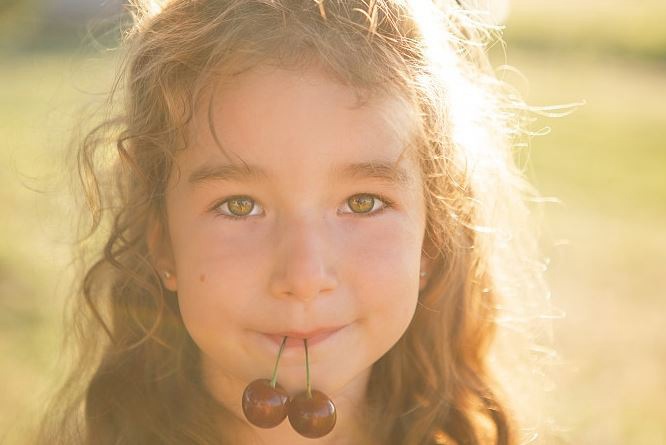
<point x="323" y="378"/>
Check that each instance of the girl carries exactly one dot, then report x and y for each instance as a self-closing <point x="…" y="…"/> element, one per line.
<point x="337" y="171"/>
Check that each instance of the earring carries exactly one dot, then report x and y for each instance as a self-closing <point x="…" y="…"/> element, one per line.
<point x="423" y="273"/>
<point x="167" y="274"/>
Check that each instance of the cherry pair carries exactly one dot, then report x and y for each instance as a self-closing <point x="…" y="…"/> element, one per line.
<point x="311" y="413"/>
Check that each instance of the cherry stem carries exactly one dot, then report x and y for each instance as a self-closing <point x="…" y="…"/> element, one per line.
<point x="307" y="369"/>
<point x="274" y="379"/>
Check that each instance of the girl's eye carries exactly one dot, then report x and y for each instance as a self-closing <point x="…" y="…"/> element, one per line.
<point x="364" y="204"/>
<point x="239" y="207"/>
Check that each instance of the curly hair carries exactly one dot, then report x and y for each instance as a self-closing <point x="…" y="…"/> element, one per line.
<point x="137" y="374"/>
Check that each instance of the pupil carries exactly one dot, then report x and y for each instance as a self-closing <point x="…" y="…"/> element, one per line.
<point x="243" y="208"/>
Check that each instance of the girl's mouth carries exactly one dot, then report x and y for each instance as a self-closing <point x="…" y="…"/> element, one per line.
<point x="295" y="340"/>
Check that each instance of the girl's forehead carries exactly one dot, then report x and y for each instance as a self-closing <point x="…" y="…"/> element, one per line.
<point x="276" y="114"/>
<point x="264" y="91"/>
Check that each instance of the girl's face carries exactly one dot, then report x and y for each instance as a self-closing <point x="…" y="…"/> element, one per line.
<point x="309" y="237"/>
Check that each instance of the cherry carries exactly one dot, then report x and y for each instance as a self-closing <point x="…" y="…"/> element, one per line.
<point x="312" y="415"/>
<point x="311" y="412"/>
<point x="265" y="401"/>
<point x="265" y="405"/>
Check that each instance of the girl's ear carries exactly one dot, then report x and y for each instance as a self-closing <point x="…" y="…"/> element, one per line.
<point x="428" y="255"/>
<point x="161" y="254"/>
<point x="425" y="272"/>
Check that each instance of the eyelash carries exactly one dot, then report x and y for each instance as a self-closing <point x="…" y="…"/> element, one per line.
<point x="387" y="205"/>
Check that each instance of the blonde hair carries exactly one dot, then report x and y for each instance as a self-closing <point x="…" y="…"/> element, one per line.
<point x="137" y="379"/>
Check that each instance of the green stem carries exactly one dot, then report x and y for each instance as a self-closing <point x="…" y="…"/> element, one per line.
<point x="307" y="369"/>
<point x="274" y="379"/>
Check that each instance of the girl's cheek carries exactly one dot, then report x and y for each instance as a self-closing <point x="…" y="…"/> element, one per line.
<point x="385" y="237"/>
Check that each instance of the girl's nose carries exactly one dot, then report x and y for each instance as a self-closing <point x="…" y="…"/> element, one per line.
<point x="303" y="264"/>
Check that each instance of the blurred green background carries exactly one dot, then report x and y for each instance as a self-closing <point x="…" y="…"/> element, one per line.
<point x="606" y="163"/>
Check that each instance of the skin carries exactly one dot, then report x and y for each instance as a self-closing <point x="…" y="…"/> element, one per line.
<point x="306" y="257"/>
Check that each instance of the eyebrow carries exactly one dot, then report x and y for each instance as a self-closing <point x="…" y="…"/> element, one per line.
<point x="385" y="171"/>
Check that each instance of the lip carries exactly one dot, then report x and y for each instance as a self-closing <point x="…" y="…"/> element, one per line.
<point x="295" y="339"/>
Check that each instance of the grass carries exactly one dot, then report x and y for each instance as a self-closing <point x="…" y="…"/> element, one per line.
<point x="605" y="162"/>
<point x="606" y="241"/>
<point x="609" y="151"/>
<point x="618" y="27"/>
<point x="39" y="96"/>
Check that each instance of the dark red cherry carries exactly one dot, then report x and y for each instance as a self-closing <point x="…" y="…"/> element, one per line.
<point x="265" y="401"/>
<point x="314" y="416"/>
<point x="311" y="413"/>
<point x="263" y="405"/>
